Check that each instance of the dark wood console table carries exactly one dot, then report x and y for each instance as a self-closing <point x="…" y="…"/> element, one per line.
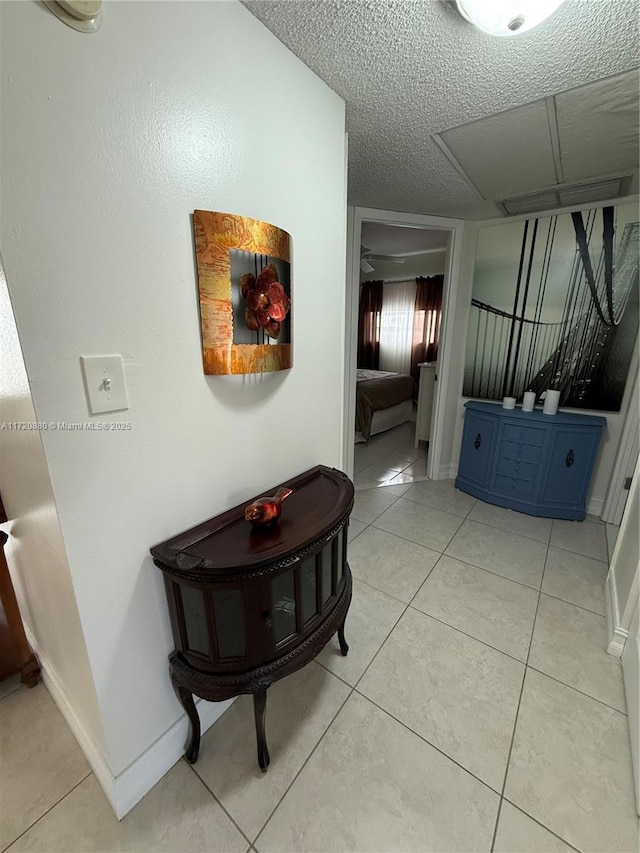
<point x="249" y="606"/>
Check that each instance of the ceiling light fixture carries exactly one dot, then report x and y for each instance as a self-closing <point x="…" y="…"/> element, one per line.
<point x="506" y="17"/>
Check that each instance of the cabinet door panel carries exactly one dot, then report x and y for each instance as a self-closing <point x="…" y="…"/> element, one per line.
<point x="283" y="606"/>
<point x="308" y="589"/>
<point x="569" y="465"/>
<point x="228" y="614"/>
<point x="196" y="639"/>
<point x="476" y="453"/>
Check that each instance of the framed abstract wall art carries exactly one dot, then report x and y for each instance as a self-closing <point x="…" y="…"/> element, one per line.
<point x="555" y="306"/>
<point x="244" y="283"/>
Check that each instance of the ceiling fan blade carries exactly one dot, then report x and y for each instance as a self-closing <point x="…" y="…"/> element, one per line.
<point x="365" y="266"/>
<point x="388" y="259"/>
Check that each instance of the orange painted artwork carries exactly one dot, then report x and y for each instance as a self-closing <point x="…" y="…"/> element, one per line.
<point x="244" y="282"/>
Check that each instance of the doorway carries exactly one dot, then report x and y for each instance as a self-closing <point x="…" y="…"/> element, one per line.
<point x="396" y="248"/>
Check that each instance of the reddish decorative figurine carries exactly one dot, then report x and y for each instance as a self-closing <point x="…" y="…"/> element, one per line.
<point x="264" y="512"/>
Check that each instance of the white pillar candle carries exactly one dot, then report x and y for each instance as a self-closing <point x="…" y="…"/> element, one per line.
<point x="508" y="402"/>
<point x="551" y="400"/>
<point x="528" y="401"/>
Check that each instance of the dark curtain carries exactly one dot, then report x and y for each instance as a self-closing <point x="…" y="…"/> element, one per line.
<point x="369" y="325"/>
<point x="426" y="326"/>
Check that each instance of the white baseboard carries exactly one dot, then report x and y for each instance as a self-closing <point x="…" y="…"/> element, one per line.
<point x="448" y="472"/>
<point x="617" y="636"/>
<point x="594" y="506"/>
<point x="86" y="742"/>
<point x="140" y="776"/>
<point x="129" y="787"/>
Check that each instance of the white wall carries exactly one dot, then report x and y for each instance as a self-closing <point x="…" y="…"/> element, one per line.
<point x="461" y="285"/>
<point x="35" y="549"/>
<point x="109" y="142"/>
<point x="615" y="420"/>
<point x="623" y="578"/>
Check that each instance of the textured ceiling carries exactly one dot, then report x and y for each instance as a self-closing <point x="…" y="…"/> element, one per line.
<point x="409" y="69"/>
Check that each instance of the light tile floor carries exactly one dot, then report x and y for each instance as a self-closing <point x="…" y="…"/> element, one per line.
<point x="477" y="710"/>
<point x="390" y="458"/>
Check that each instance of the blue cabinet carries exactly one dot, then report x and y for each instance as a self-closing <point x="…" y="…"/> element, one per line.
<point x="534" y="463"/>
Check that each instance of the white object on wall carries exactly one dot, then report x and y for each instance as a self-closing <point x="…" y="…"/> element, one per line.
<point x="85" y="16"/>
<point x="104" y="383"/>
<point x="426" y="393"/>
<point x="179" y="136"/>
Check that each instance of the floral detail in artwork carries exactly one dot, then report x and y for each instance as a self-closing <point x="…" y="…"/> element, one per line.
<point x="267" y="303"/>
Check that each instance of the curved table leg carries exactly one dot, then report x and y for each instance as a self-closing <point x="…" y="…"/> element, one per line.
<point x="344" y="646"/>
<point x="30" y="672"/>
<point x="260" y="713"/>
<point x="186" y="699"/>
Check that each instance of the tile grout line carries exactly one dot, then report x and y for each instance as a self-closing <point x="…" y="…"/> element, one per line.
<point x="496" y="574"/>
<point x="579" y="554"/>
<point x="222" y="806"/>
<point x="413" y="542"/>
<point x="4" y="849"/>
<point x="426" y="740"/>
<point x="404" y="538"/>
<point x="464" y="633"/>
<point x="539" y="592"/>
<point x="573" y="604"/>
<point x="575" y="689"/>
<point x="11" y="692"/>
<point x="502" y="529"/>
<point x="438" y="508"/>
<point x="303" y="765"/>
<point x="527" y="667"/>
<point x="517" y="714"/>
<point x="377" y="589"/>
<point x="535" y="820"/>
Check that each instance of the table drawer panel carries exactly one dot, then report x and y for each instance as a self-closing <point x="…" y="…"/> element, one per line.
<point x="513" y="487"/>
<point x="516" y="468"/>
<point x="525" y="452"/>
<point x="524" y="434"/>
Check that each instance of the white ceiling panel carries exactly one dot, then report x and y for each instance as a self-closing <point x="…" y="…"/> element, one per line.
<point x="409" y="69"/>
<point x="598" y="127"/>
<point x="506" y="154"/>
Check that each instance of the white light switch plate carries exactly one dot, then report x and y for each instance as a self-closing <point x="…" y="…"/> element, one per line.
<point x="104" y="383"/>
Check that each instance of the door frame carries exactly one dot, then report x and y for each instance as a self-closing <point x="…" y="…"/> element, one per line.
<point x="355" y="217"/>
<point x="627" y="454"/>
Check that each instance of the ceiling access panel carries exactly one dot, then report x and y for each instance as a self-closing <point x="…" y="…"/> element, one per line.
<point x="506" y="154"/>
<point x="598" y="127"/>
